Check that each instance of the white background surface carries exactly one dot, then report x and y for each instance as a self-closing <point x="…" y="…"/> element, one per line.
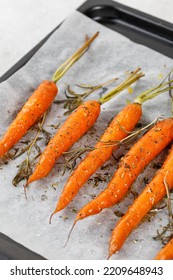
<point x="23" y="23"/>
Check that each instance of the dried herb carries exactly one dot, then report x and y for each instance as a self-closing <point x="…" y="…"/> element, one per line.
<point x="63" y="217"/>
<point x="146" y="180"/>
<point x="25" y="168"/>
<point x="54" y="185"/>
<point x="156" y="165"/>
<point x="132" y="135"/>
<point x="97" y="179"/>
<point x="44" y="197"/>
<point x="133" y="192"/>
<point x="54" y="126"/>
<point x="74" y="210"/>
<point x="105" y="167"/>
<point x="72" y="156"/>
<point x="75" y="99"/>
<point x="167" y="232"/>
<point x="159" y="208"/>
<point x="118" y="213"/>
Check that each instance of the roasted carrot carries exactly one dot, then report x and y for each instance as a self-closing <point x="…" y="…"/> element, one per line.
<point x="123" y="123"/>
<point x="150" y="196"/>
<point x="38" y="103"/>
<point x="166" y="253"/>
<point x="74" y="127"/>
<point x="141" y="153"/>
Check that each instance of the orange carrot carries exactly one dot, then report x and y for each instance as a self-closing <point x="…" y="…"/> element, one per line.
<point x="123" y="123"/>
<point x="166" y="253"/>
<point x="150" y="196"/>
<point x="74" y="127"/>
<point x="38" y="103"/>
<point x="143" y="151"/>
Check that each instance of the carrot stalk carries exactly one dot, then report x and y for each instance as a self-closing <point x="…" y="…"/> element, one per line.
<point x="69" y="62"/>
<point x="118" y="129"/>
<point x="166" y="253"/>
<point x="76" y="125"/>
<point x="38" y="103"/>
<point x="132" y="78"/>
<point x="150" y="196"/>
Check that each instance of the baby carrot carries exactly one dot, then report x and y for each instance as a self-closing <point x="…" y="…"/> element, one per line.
<point x="166" y="253"/>
<point x="123" y="123"/>
<point x="74" y="127"/>
<point x="150" y="196"/>
<point x="38" y="103"/>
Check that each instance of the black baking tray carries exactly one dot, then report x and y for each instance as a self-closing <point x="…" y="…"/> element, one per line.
<point x="11" y="250"/>
<point x="142" y="28"/>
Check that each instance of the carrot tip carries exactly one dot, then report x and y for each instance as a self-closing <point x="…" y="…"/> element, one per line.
<point x="25" y="187"/>
<point x="108" y="257"/>
<point x="29" y="181"/>
<point x="68" y="237"/>
<point x="50" y="219"/>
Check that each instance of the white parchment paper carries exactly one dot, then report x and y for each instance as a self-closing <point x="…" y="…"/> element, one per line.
<point x="26" y="221"/>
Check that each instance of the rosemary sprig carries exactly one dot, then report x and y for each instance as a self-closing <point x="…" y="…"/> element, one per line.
<point x="75" y="99"/>
<point x="25" y="168"/>
<point x="167" y="232"/>
<point x="132" y="135"/>
<point x="97" y="179"/>
<point x="72" y="157"/>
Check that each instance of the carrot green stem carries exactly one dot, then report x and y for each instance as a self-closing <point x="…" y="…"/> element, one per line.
<point x="91" y="88"/>
<point x="132" y="78"/>
<point x="151" y="93"/>
<point x="69" y="62"/>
